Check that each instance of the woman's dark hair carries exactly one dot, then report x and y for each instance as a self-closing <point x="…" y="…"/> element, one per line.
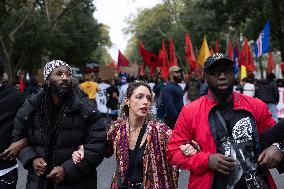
<point x="132" y="86"/>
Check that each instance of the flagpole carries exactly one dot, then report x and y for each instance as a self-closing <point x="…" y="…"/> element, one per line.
<point x="260" y="66"/>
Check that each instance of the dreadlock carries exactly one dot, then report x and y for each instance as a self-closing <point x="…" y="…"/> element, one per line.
<point x="45" y="111"/>
<point x="50" y="126"/>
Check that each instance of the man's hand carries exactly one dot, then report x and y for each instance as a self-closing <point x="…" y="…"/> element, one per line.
<point x="57" y="174"/>
<point x="39" y="166"/>
<point x="14" y="149"/>
<point x="270" y="157"/>
<point x="221" y="163"/>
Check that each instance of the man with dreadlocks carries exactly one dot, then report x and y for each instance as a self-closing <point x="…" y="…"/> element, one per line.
<point x="56" y="121"/>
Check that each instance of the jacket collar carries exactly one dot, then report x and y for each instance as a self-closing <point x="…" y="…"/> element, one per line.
<point x="236" y="100"/>
<point x="76" y="103"/>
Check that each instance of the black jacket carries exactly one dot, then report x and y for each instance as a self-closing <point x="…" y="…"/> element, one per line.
<point x="82" y="125"/>
<point x="267" y="91"/>
<point x="10" y="102"/>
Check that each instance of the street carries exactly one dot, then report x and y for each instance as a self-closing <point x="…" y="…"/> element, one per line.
<point x="106" y="170"/>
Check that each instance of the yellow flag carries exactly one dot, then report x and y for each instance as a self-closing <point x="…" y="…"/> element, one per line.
<point x="204" y="52"/>
<point x="243" y="72"/>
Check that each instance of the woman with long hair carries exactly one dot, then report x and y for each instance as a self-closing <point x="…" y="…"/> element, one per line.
<point x="139" y="143"/>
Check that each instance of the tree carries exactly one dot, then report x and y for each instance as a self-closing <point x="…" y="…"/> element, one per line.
<point x="172" y="19"/>
<point x="14" y="15"/>
<point x="67" y="30"/>
<point x="249" y="17"/>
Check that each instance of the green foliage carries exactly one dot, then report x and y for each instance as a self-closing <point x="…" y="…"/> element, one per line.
<point x="250" y="16"/>
<point x="217" y="19"/>
<point x="57" y="29"/>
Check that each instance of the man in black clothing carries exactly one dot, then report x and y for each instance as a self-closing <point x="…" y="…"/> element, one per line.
<point x="112" y="99"/>
<point x="10" y="101"/>
<point x="267" y="91"/>
<point x="235" y="132"/>
<point x="56" y="121"/>
<point x="172" y="97"/>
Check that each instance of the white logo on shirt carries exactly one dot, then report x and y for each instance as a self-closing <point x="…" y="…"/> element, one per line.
<point x="242" y="130"/>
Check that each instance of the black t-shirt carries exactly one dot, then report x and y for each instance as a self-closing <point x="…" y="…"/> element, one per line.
<point x="136" y="175"/>
<point x="239" y="125"/>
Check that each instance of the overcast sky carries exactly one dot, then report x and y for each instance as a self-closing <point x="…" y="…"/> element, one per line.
<point x="114" y="13"/>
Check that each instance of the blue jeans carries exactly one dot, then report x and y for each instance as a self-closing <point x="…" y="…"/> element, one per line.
<point x="273" y="109"/>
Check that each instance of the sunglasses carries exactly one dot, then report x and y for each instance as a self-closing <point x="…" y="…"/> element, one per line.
<point x="217" y="72"/>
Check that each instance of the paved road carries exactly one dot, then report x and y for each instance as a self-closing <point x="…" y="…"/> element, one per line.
<point x="106" y="170"/>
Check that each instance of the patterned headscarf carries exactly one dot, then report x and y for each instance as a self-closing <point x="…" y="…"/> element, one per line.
<point x="50" y="66"/>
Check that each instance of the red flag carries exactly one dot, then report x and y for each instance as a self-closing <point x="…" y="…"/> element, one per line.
<point x="152" y="71"/>
<point x="122" y="60"/>
<point x="230" y="50"/>
<point x="282" y="66"/>
<point x="190" y="57"/>
<point x="111" y="65"/>
<point x="246" y="58"/>
<point x="142" y="69"/>
<point x="150" y="58"/>
<point x="271" y="63"/>
<point x="22" y="83"/>
<point x="211" y="51"/>
<point x="217" y="46"/>
<point x="173" y="58"/>
<point x="164" y="56"/>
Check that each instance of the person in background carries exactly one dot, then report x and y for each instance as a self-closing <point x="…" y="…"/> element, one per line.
<point x="139" y="143"/>
<point x="172" y="96"/>
<point x="90" y="88"/>
<point x="192" y="87"/>
<point x="248" y="87"/>
<point x="157" y="89"/>
<point x="267" y="91"/>
<point x="226" y="125"/>
<point x="123" y="88"/>
<point x="101" y="97"/>
<point x="112" y="99"/>
<point x="55" y="121"/>
<point x="32" y="86"/>
<point x="10" y="101"/>
<point x="203" y="89"/>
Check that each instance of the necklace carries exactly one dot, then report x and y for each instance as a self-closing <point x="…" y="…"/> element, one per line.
<point x="134" y="130"/>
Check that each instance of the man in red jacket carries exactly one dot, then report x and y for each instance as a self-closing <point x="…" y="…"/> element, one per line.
<point x="226" y="125"/>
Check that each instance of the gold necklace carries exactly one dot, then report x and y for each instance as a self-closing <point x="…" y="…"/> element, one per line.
<point x="134" y="130"/>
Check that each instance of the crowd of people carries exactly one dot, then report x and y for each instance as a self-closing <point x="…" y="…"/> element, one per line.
<point x="227" y="135"/>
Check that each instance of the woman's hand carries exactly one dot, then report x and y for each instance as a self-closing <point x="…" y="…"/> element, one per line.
<point x="188" y="149"/>
<point x="78" y="155"/>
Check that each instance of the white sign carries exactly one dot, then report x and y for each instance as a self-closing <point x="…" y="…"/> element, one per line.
<point x="101" y="97"/>
<point x="280" y="106"/>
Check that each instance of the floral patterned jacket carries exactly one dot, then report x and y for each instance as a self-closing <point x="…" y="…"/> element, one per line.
<point x="158" y="173"/>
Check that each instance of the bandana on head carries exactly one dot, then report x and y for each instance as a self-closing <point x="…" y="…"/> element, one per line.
<point x="50" y="66"/>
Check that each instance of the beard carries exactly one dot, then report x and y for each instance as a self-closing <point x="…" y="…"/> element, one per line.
<point x="222" y="94"/>
<point x="59" y="90"/>
<point x="177" y="79"/>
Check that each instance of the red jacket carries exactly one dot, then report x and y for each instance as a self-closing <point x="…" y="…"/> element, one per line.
<point x="193" y="124"/>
